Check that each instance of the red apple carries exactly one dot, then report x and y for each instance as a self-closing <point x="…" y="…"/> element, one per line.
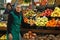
<point x="45" y="11"/>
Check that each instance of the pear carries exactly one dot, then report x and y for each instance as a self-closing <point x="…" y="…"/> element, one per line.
<point x="56" y="8"/>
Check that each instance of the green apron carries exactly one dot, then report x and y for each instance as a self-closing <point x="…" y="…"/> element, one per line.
<point x="15" y="27"/>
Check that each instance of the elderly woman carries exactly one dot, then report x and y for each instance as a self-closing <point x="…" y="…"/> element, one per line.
<point x="13" y="26"/>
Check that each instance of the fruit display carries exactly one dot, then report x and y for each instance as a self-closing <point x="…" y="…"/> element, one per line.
<point x="58" y="23"/>
<point x="29" y="35"/>
<point x="26" y="19"/>
<point x="29" y="13"/>
<point x="43" y="18"/>
<point x="3" y="37"/>
<point x="46" y="37"/>
<point x="47" y="12"/>
<point x="3" y="24"/>
<point x="51" y="2"/>
<point x="27" y="1"/>
<point x="56" y="12"/>
<point x="51" y="23"/>
<point x="31" y="22"/>
<point x="49" y="37"/>
<point x="43" y="2"/>
<point x="41" y="21"/>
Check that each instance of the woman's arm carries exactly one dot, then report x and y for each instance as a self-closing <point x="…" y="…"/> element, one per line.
<point x="22" y="21"/>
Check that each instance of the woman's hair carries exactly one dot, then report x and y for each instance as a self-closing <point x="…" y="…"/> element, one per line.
<point x="17" y="5"/>
<point x="8" y="4"/>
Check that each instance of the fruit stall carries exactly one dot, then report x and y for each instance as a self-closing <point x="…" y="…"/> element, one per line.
<point x="43" y="22"/>
<point x="48" y="19"/>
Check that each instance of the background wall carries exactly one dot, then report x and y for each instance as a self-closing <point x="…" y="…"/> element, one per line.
<point x="57" y="2"/>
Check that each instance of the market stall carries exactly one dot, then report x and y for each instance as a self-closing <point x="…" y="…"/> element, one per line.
<point x="40" y="17"/>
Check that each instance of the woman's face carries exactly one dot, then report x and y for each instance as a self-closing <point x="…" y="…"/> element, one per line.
<point x="9" y="7"/>
<point x="18" y="8"/>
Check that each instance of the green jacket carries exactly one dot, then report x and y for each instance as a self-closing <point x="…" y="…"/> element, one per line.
<point x="16" y="23"/>
<point x="15" y="26"/>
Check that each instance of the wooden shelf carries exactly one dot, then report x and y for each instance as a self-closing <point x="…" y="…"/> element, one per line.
<point x="36" y="30"/>
<point x="41" y="31"/>
<point x="3" y="28"/>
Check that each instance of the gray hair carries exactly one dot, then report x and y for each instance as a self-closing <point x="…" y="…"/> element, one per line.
<point x="17" y="5"/>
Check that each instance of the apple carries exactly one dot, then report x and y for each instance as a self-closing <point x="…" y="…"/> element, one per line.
<point x="47" y="12"/>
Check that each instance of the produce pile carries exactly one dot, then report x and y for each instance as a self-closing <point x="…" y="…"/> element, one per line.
<point x="58" y="23"/>
<point x="3" y="24"/>
<point x="30" y="35"/>
<point x="53" y="23"/>
<point x="33" y="36"/>
<point x="47" y="12"/>
<point x="29" y="13"/>
<point x="41" y="2"/>
<point x="41" y="21"/>
<point x="42" y="18"/>
<point x="50" y="12"/>
<point x="56" y="12"/>
<point x="3" y="37"/>
<point x="49" y="37"/>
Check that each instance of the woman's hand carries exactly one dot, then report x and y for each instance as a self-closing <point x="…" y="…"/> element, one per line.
<point x="10" y="36"/>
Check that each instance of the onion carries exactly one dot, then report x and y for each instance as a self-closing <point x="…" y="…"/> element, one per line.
<point x="30" y="32"/>
<point x="27" y="37"/>
<point x="24" y="35"/>
<point x="27" y="34"/>
<point x="30" y="36"/>
<point x="33" y="38"/>
<point x="34" y="34"/>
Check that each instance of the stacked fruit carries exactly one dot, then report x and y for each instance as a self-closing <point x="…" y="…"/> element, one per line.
<point x="3" y="24"/>
<point x="43" y="2"/>
<point x="56" y="12"/>
<point x="51" y="23"/>
<point x="58" y="23"/>
<point x="41" y="21"/>
<point x="29" y="13"/>
<point x="27" y="1"/>
<point x="47" y="12"/>
<point x="3" y="37"/>
<point x="31" y="22"/>
<point x="29" y="35"/>
<point x="26" y="19"/>
<point x="49" y="37"/>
